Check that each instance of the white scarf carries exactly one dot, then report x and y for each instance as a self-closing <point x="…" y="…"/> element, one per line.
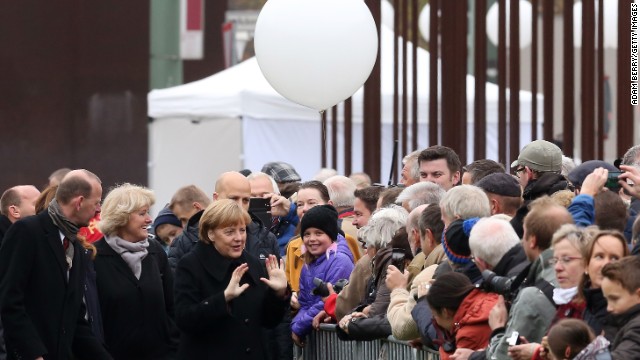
<point x="131" y="252"/>
<point x="564" y="296"/>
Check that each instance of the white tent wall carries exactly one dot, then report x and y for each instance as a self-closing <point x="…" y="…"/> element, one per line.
<point x="184" y="152"/>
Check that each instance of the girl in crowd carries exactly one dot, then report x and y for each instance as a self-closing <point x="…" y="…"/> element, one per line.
<point x="223" y="294"/>
<point x="322" y="260"/>
<point x="461" y="312"/>
<point x="135" y="285"/>
<point x="574" y="339"/>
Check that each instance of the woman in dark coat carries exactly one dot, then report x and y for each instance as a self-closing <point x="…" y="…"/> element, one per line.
<point x="134" y="281"/>
<point x="223" y="294"/>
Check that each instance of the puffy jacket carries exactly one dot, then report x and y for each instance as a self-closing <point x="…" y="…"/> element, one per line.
<point x="626" y="343"/>
<point x="330" y="267"/>
<point x="184" y="242"/>
<point x="471" y="321"/>
<point x="598" y="349"/>
<point x="260" y="242"/>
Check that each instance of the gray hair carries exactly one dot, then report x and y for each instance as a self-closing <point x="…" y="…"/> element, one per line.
<point x="324" y="174"/>
<point x="257" y="175"/>
<point x="341" y="190"/>
<point x="464" y="202"/>
<point x="568" y="164"/>
<point x="491" y="238"/>
<point x="414" y="166"/>
<point x="413" y="221"/>
<point x="421" y="193"/>
<point x="382" y="225"/>
<point x="632" y="156"/>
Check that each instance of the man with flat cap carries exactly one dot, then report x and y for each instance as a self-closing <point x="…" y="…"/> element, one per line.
<point x="504" y="193"/>
<point x="538" y="170"/>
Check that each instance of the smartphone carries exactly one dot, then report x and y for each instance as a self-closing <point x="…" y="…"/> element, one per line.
<point x="514" y="339"/>
<point x="261" y="208"/>
<point x="397" y="258"/>
<point x="612" y="180"/>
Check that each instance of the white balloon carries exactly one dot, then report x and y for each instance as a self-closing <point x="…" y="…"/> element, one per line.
<point x="424" y="21"/>
<point x="610" y="24"/>
<point x="387" y="14"/>
<point x="316" y="53"/>
<point x="526" y="12"/>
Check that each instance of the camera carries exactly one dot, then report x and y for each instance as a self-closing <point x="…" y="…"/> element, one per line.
<point x="500" y="285"/>
<point x="397" y="258"/>
<point x="612" y="180"/>
<point x="322" y="290"/>
<point x="261" y="208"/>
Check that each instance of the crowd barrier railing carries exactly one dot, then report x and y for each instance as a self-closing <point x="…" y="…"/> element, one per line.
<point x="324" y="344"/>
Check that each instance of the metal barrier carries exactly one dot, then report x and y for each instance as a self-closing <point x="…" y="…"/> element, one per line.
<point x="324" y="344"/>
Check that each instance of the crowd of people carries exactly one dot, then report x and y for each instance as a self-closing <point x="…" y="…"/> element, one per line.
<point x="475" y="262"/>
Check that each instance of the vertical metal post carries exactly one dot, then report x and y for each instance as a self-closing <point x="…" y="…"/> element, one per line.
<point x="165" y="63"/>
<point x="348" y="130"/>
<point x="600" y="114"/>
<point x="372" y="117"/>
<point x="587" y="76"/>
<point x="405" y="28"/>
<point x="547" y="67"/>
<point x="514" y="80"/>
<point x="480" y="71"/>
<point x="534" y="70"/>
<point x="568" y="92"/>
<point x="502" y="81"/>
<point x="414" y="75"/>
<point x="625" y="109"/>
<point x="334" y="137"/>
<point x="433" y="71"/>
<point x="323" y="139"/>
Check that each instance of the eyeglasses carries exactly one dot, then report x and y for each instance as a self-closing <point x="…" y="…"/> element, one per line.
<point x="565" y="260"/>
<point x="518" y="171"/>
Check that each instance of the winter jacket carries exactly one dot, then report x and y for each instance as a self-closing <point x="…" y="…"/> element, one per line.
<point x="598" y="349"/>
<point x="354" y="293"/>
<point x="512" y="262"/>
<point x="285" y="230"/>
<point x="295" y="262"/>
<point x="583" y="210"/>
<point x="184" y="242"/>
<point x="547" y="184"/>
<point x="626" y="344"/>
<point x="137" y="313"/>
<point x="260" y="242"/>
<point x="531" y="312"/>
<point x="332" y="266"/>
<point x="596" y="314"/>
<point x="213" y="328"/>
<point x="471" y="322"/>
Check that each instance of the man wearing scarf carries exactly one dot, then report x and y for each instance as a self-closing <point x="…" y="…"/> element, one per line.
<point x="42" y="275"/>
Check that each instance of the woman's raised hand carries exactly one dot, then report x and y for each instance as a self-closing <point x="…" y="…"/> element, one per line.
<point x="234" y="289"/>
<point x="277" y="279"/>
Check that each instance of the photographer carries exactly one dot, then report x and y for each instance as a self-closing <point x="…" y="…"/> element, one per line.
<point x="532" y="310"/>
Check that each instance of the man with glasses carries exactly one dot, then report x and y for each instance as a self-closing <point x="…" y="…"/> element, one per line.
<point x="538" y="170"/>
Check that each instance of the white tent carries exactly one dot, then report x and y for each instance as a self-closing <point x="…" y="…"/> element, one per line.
<point x="234" y="120"/>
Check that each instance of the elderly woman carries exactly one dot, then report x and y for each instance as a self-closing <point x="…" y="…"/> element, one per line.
<point x="223" y="294"/>
<point x="133" y="279"/>
<point x="369" y="320"/>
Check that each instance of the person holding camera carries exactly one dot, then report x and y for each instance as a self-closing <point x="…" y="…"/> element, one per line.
<point x="461" y="312"/>
<point x="323" y="260"/>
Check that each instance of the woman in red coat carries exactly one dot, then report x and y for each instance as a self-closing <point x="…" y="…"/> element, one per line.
<point x="461" y="312"/>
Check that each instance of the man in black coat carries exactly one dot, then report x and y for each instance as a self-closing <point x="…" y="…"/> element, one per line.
<point x="42" y="268"/>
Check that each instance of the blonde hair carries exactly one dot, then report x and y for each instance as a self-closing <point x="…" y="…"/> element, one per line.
<point x="219" y="214"/>
<point x="120" y="203"/>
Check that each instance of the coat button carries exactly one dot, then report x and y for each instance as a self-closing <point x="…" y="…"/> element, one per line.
<point x="246" y="321"/>
<point x="248" y="350"/>
<point x="206" y="303"/>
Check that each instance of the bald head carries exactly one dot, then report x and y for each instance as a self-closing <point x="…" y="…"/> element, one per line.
<point x="79" y="195"/>
<point x="19" y="201"/>
<point x="234" y="186"/>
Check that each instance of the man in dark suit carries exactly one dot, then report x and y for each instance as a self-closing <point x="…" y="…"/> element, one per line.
<point x="42" y="269"/>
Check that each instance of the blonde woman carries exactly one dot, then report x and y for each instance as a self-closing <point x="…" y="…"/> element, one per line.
<point x="135" y="285"/>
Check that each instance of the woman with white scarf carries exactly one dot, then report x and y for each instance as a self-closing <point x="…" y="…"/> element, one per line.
<point x="135" y="285"/>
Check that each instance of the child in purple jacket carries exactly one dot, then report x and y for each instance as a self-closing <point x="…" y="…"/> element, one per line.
<point x="323" y="260"/>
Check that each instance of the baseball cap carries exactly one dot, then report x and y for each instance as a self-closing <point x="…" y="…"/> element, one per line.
<point x="540" y="155"/>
